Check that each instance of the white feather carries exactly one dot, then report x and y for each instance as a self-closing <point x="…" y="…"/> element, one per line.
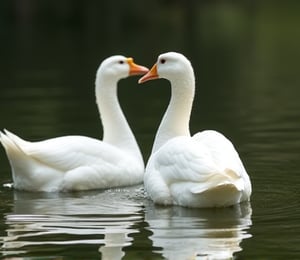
<point x="203" y="170"/>
<point x="79" y="162"/>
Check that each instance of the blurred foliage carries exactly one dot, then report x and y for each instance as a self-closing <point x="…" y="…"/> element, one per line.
<point x="245" y="55"/>
<point x="245" y="49"/>
<point x="205" y="30"/>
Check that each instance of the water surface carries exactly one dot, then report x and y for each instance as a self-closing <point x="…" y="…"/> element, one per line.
<point x="246" y="61"/>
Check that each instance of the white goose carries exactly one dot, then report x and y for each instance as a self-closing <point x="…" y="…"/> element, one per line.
<point x="79" y="162"/>
<point x="203" y="170"/>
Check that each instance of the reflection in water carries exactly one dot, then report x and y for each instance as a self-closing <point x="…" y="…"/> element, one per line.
<point x="53" y="222"/>
<point x="184" y="233"/>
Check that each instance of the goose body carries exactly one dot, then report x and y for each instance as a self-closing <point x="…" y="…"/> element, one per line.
<point x="79" y="162"/>
<point x="203" y="170"/>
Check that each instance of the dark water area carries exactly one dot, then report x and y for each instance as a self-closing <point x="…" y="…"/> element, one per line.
<point x="246" y="61"/>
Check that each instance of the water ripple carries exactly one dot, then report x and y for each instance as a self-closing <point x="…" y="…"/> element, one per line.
<point x="41" y="222"/>
<point x="181" y="233"/>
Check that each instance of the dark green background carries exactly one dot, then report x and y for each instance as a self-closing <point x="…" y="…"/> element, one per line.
<point x="246" y="60"/>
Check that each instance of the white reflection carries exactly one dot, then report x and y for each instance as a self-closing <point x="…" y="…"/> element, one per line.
<point x="183" y="233"/>
<point x="45" y="221"/>
<point x="113" y="244"/>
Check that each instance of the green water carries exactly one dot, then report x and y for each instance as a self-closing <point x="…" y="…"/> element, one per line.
<point x="246" y="60"/>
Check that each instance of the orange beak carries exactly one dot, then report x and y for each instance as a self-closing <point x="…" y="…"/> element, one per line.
<point x="135" y="69"/>
<point x="152" y="74"/>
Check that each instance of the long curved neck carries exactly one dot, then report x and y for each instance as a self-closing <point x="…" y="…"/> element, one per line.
<point x="116" y="130"/>
<point x="176" y="119"/>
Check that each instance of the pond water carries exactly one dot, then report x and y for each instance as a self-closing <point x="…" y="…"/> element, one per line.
<point x="246" y="61"/>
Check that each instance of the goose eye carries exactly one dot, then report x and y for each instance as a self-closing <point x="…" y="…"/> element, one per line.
<point x="162" y="61"/>
<point x="121" y="62"/>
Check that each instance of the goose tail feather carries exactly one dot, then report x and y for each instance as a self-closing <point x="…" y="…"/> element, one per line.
<point x="229" y="179"/>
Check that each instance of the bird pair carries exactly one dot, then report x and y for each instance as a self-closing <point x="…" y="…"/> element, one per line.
<point x="203" y="170"/>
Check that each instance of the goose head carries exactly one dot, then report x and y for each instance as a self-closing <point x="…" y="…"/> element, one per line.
<point x="118" y="67"/>
<point x="172" y="66"/>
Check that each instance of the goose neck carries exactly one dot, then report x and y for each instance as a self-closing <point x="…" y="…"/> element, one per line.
<point x="176" y="119"/>
<point x="116" y="130"/>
